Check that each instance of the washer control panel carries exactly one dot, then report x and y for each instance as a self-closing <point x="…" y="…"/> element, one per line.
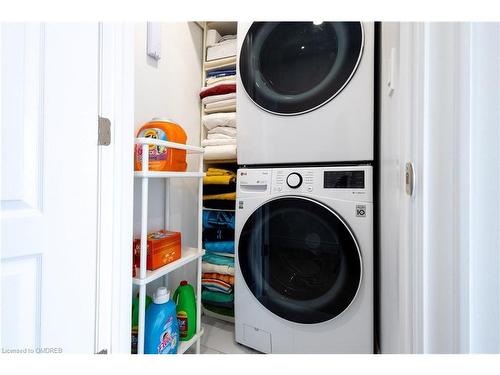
<point x="339" y="182"/>
<point x="299" y="181"/>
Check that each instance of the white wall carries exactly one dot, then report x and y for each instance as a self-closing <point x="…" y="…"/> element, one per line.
<point x="169" y="88"/>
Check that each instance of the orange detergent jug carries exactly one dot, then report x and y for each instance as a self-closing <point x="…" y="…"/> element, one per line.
<point x="162" y="158"/>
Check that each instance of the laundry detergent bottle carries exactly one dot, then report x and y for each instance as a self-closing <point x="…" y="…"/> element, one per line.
<point x="161" y="334"/>
<point x="186" y="310"/>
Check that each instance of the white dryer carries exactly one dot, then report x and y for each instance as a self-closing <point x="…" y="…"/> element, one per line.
<point x="304" y="260"/>
<point x="305" y="92"/>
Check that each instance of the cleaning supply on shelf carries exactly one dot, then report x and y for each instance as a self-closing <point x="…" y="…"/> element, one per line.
<point x="185" y="299"/>
<point x="135" y="309"/>
<point x="162" y="158"/>
<point x="161" y="334"/>
<point x="163" y="247"/>
<point x="135" y="321"/>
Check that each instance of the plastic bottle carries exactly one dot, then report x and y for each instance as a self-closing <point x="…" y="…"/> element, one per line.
<point x="161" y="334"/>
<point x="185" y="299"/>
<point x="135" y="309"/>
<point x="135" y="321"/>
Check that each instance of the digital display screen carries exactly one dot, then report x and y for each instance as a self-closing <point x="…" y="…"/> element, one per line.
<point x="344" y="180"/>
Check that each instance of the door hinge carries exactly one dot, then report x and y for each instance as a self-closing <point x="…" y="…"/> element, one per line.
<point x="409" y="178"/>
<point x="104" y="131"/>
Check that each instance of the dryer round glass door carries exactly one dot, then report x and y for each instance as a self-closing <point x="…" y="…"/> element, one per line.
<point x="300" y="260"/>
<point x="290" y="68"/>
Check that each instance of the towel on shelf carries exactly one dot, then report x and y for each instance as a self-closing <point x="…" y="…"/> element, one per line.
<point x="226" y="305"/>
<point x="218" y="259"/>
<point x="218" y="142"/>
<point x="220" y="201"/>
<point x="218" y="219"/>
<point x="222" y="49"/>
<point x="227" y="119"/>
<point x="225" y="197"/>
<point x="224" y="87"/>
<point x="221" y="106"/>
<point x="219" y="246"/>
<point x="217" y="268"/>
<point x="219" y="310"/>
<point x="226" y="152"/>
<point x="221" y="103"/>
<point x="219" y="136"/>
<point x="219" y="204"/>
<point x="216" y="285"/>
<point x="223" y="38"/>
<point x="212" y="171"/>
<point x="219" y="189"/>
<point x="209" y="296"/>
<point x="221" y="72"/>
<point x="218" y="98"/>
<point x="224" y="130"/>
<point x="229" y="81"/>
<point x="227" y="255"/>
<point x="211" y="80"/>
<point x="218" y="176"/>
<point x="219" y="276"/>
<point x="227" y="108"/>
<point x="218" y="234"/>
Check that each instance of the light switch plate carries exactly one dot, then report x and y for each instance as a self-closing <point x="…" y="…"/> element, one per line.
<point x="154" y="40"/>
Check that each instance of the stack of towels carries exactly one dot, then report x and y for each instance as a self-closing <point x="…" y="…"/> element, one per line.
<point x="219" y="93"/>
<point x="218" y="262"/>
<point x="219" y="201"/>
<point x="219" y="103"/>
<point x="219" y="189"/>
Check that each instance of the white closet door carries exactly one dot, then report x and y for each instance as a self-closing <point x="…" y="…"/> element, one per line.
<point x="49" y="107"/>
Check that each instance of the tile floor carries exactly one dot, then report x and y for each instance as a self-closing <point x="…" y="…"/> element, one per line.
<point x="219" y="338"/>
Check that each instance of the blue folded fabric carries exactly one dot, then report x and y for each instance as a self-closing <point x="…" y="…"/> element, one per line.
<point x="220" y="246"/>
<point x="221" y="73"/>
<point x="218" y="259"/>
<point x="218" y="219"/>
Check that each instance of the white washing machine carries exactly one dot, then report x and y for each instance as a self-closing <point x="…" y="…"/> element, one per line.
<point x="305" y="92"/>
<point x="304" y="260"/>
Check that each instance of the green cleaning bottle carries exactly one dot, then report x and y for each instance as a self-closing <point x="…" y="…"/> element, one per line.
<point x="186" y="310"/>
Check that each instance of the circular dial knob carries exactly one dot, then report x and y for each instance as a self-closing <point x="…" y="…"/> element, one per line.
<point x="294" y="180"/>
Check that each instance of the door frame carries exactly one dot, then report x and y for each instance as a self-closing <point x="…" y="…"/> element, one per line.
<point x="436" y="59"/>
<point x="115" y="197"/>
<point x="433" y="121"/>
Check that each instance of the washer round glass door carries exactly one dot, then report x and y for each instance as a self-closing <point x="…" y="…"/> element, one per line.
<point x="290" y="68"/>
<point x="300" y="260"/>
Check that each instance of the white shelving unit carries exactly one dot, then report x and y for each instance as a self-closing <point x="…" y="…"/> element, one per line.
<point x="224" y="28"/>
<point x="188" y="254"/>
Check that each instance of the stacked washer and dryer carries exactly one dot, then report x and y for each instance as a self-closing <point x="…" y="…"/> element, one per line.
<point x="304" y="213"/>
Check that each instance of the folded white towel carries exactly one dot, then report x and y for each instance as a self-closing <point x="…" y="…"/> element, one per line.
<point x="226" y="130"/>
<point x="227" y="108"/>
<point x="218" y="142"/>
<point x="226" y="37"/>
<point x="212" y="80"/>
<point x="219" y="136"/>
<point x="212" y="38"/>
<point x="217" y="98"/>
<point x="225" y="152"/>
<point x="219" y="119"/>
<point x="221" y="104"/>
<point x="226" y="82"/>
<point x="217" y="268"/>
